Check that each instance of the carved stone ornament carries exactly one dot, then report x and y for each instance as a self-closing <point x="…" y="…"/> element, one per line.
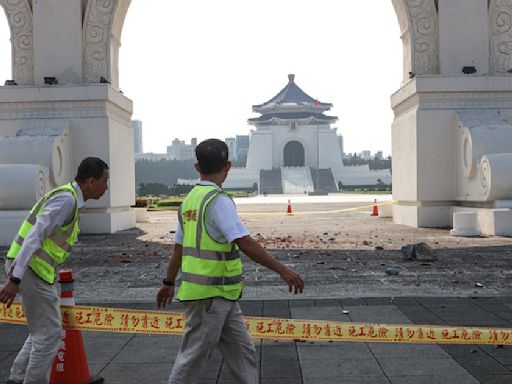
<point x="19" y="16"/>
<point x="97" y="36"/>
<point x="500" y="15"/>
<point x="425" y="36"/>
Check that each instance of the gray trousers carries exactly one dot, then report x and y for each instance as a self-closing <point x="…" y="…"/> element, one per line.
<point x="40" y="302"/>
<point x="210" y="323"/>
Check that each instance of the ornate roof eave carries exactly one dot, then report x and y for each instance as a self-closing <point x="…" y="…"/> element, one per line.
<point x="279" y="121"/>
<point x="305" y="107"/>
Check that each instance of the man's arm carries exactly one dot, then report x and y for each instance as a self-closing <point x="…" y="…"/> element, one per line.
<point x="166" y="293"/>
<point x="57" y="211"/>
<point x="256" y="252"/>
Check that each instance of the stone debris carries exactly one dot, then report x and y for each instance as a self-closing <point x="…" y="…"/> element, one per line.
<point x="420" y="251"/>
<point x="125" y="258"/>
<point x="392" y="271"/>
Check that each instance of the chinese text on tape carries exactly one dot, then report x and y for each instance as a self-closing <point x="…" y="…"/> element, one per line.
<point x="172" y="323"/>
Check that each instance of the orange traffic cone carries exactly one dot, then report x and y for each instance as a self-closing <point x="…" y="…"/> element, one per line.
<point x="70" y="364"/>
<point x="375" y="208"/>
<point x="289" y="209"/>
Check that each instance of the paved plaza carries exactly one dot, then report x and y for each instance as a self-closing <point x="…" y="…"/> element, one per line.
<point x="342" y="253"/>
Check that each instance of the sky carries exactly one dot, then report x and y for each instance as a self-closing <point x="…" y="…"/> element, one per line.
<point x="194" y="68"/>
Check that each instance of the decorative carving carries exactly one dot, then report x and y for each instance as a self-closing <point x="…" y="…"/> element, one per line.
<point x="97" y="39"/>
<point x="19" y="16"/>
<point x="63" y="110"/>
<point x="425" y="36"/>
<point x="500" y="22"/>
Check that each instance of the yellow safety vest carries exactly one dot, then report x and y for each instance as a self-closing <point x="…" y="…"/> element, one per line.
<point x="55" y="248"/>
<point x="208" y="268"/>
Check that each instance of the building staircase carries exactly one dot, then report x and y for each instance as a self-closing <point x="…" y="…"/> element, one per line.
<point x="270" y="181"/>
<point x="325" y="180"/>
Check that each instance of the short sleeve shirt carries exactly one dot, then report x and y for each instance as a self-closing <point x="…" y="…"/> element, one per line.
<point x="222" y="221"/>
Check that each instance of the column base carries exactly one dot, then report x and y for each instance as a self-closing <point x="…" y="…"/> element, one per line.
<point x="10" y="222"/>
<point x="431" y="216"/>
<point x="106" y="220"/>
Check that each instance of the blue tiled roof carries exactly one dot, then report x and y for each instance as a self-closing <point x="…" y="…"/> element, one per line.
<point x="291" y="94"/>
<point x="293" y="116"/>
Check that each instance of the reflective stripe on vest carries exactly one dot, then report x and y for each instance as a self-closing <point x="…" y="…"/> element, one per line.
<point x="55" y="248"/>
<point x="211" y="255"/>
<point x="205" y="280"/>
<point x="59" y="239"/>
<point x="209" y="268"/>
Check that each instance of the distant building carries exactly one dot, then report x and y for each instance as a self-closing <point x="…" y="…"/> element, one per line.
<point x="178" y="150"/>
<point x="231" y="143"/>
<point x="365" y="155"/>
<point x="150" y="156"/>
<point x="238" y="146"/>
<point x="293" y="149"/>
<point x="340" y="144"/>
<point x="379" y="155"/>
<point x="242" y="146"/>
<point x="137" y="136"/>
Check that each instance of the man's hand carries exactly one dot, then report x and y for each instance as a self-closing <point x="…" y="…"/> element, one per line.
<point x="164" y="296"/>
<point x="293" y="279"/>
<point x="9" y="292"/>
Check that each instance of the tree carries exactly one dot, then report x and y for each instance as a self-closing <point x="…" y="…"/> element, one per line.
<point x="165" y="172"/>
<point x="153" y="189"/>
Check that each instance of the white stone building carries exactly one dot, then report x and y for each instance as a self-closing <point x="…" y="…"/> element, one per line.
<point x="365" y="154"/>
<point x="137" y="136"/>
<point x="293" y="148"/>
<point x="179" y="150"/>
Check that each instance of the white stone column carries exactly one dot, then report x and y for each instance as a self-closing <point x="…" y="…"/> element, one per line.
<point x="99" y="118"/>
<point x="463" y="36"/>
<point x="57" y="40"/>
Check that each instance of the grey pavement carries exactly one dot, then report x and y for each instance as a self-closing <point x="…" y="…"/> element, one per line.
<point x="135" y="358"/>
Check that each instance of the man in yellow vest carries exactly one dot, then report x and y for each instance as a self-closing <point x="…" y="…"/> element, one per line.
<point x="208" y="239"/>
<point x="41" y="245"/>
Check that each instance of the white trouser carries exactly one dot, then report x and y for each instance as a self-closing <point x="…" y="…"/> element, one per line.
<point x="40" y="302"/>
<point x="209" y="323"/>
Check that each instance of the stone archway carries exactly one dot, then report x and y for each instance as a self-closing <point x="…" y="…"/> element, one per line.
<point x="293" y="154"/>
<point x="19" y="17"/>
<point x="418" y="20"/>
<point x="101" y="30"/>
<point x="91" y="50"/>
<point x="475" y="38"/>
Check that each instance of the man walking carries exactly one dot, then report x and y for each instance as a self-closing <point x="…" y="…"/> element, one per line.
<point x="42" y="244"/>
<point x="208" y="239"/>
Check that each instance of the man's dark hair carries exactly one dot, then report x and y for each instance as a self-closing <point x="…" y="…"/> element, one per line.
<point x="90" y="167"/>
<point x="212" y="156"/>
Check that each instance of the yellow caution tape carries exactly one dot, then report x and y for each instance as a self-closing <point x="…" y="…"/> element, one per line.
<point x="172" y="323"/>
<point x="353" y="209"/>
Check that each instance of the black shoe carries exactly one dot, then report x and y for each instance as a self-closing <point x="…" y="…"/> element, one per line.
<point x="13" y="382"/>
